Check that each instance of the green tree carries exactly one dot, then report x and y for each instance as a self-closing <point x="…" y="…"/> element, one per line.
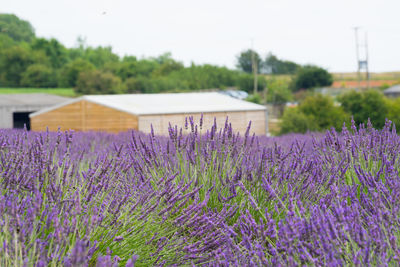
<point x="309" y="77"/>
<point x="164" y="58"/>
<point x="363" y="105"/>
<point x="144" y="67"/>
<point x="97" y="82"/>
<point x="167" y="67"/>
<point x="6" y="42"/>
<point x="112" y="67"/>
<point x="70" y="72"/>
<point x="135" y="85"/>
<point x="100" y="55"/>
<point x="203" y="77"/>
<point x="126" y="68"/>
<point x="143" y="84"/>
<point x="131" y="67"/>
<point x="17" y="29"/>
<point x="276" y="66"/>
<point x="245" y="82"/>
<point x="278" y="91"/>
<point x="38" y="75"/>
<point x="15" y="60"/>
<point x="79" y="50"/>
<point x="53" y="49"/>
<point x="244" y="61"/>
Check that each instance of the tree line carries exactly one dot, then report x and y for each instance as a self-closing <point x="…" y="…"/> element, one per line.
<point x="30" y="61"/>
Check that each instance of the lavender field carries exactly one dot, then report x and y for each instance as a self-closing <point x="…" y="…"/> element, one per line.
<point x="209" y="197"/>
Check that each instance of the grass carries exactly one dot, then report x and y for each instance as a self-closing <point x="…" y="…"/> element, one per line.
<point x="54" y="91"/>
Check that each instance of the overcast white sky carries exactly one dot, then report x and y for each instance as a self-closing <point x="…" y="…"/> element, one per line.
<point x="215" y="31"/>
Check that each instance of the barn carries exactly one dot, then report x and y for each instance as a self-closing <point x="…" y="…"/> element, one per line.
<point x="117" y="113"/>
<point x="15" y="108"/>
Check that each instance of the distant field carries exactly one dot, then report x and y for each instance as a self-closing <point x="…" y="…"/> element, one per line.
<point x="364" y="84"/>
<point x="284" y="77"/>
<point x="349" y="76"/>
<point x="352" y="76"/>
<point x="53" y="91"/>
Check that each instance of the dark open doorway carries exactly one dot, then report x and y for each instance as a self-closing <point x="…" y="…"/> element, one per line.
<point x="20" y="119"/>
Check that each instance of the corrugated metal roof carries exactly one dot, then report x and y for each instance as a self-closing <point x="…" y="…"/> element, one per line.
<point x="39" y="99"/>
<point x="393" y="89"/>
<point x="146" y="104"/>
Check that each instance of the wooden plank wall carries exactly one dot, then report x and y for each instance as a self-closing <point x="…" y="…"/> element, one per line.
<point x="238" y="119"/>
<point x="85" y="116"/>
<point x="101" y="118"/>
<point x="66" y="117"/>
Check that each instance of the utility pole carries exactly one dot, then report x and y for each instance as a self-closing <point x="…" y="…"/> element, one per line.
<point x="254" y="67"/>
<point x="358" y="58"/>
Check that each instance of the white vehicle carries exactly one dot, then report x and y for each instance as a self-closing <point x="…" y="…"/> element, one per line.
<point x="235" y="94"/>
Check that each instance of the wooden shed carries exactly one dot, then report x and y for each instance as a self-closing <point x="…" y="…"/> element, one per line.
<point x="117" y="113"/>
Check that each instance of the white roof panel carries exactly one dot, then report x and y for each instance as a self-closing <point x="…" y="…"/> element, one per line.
<point x="147" y="104"/>
<point x="142" y="104"/>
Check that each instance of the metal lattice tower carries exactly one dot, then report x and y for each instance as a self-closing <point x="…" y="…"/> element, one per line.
<point x="362" y="63"/>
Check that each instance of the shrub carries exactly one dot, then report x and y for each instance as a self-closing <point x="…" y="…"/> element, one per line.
<point x="324" y="111"/>
<point x="295" y="121"/>
<point x="315" y="113"/>
<point x="254" y="98"/>
<point x="363" y="105"/>
<point x="97" y="82"/>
